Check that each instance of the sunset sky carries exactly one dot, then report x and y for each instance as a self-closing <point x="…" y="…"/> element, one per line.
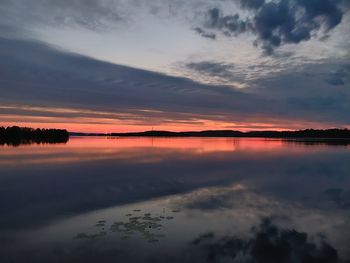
<point x="134" y="65"/>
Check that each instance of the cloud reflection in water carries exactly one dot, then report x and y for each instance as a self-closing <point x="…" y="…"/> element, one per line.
<point x="221" y="185"/>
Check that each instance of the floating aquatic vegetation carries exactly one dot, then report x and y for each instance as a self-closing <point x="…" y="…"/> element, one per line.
<point x="151" y="218"/>
<point x="146" y="226"/>
<point x="100" y="223"/>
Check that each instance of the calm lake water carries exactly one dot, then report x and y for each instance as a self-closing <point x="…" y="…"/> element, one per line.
<point x="175" y="200"/>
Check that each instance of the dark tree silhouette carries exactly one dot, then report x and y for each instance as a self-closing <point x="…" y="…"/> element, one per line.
<point x="23" y="135"/>
<point x="309" y="133"/>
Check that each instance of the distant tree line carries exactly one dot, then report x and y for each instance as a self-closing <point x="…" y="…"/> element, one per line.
<point x="23" y="135"/>
<point x="309" y="133"/>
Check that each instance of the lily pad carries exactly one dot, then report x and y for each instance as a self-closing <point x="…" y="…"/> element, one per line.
<point x="144" y="225"/>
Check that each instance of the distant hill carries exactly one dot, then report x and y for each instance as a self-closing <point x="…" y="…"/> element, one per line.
<point x="309" y="133"/>
<point x="23" y="135"/>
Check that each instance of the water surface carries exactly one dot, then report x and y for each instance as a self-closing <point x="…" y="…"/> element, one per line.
<point x="99" y="199"/>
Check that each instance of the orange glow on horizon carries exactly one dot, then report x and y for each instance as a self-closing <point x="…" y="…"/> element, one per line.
<point x="208" y="125"/>
<point x="89" y="121"/>
<point x="176" y="127"/>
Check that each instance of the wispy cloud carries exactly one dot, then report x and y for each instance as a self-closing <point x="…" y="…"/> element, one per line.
<point x="81" y="89"/>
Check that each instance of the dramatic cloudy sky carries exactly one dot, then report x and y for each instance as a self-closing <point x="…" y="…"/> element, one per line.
<point x="120" y="65"/>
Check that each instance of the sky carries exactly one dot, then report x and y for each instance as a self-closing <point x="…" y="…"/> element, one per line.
<point x="134" y="65"/>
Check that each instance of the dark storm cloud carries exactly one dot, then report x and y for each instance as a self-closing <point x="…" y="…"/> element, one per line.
<point x="280" y="22"/>
<point x="231" y="24"/>
<point x="212" y="68"/>
<point x="252" y="4"/>
<point x="290" y="21"/>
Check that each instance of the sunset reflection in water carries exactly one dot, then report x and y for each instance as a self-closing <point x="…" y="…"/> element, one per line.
<point x="198" y="199"/>
<point x="80" y="149"/>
